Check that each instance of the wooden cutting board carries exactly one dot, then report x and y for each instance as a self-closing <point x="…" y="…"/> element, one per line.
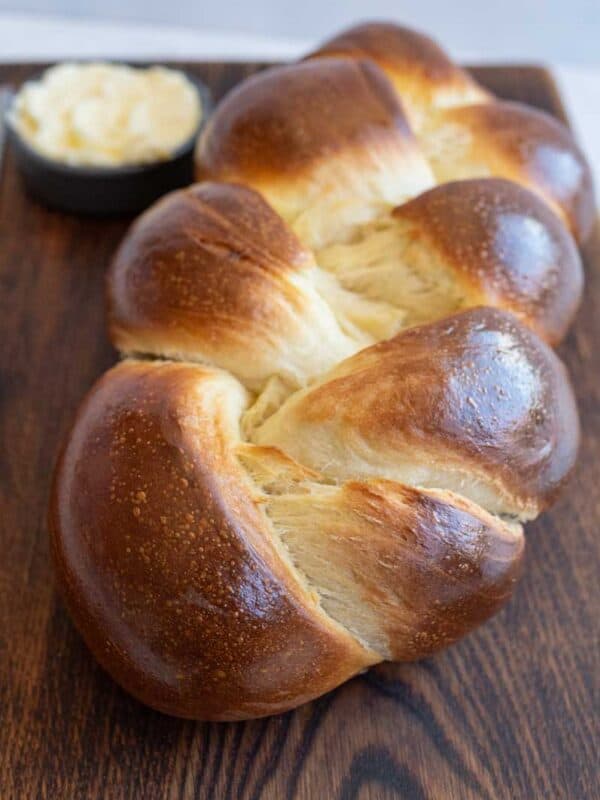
<point x="507" y="713"/>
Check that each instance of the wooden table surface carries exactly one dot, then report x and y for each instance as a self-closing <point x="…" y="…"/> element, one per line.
<point x="507" y="713"/>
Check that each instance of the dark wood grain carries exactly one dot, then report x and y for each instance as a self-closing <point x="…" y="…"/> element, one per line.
<point x="507" y="713"/>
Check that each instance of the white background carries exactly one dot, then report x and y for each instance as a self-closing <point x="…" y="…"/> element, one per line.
<point x="566" y="31"/>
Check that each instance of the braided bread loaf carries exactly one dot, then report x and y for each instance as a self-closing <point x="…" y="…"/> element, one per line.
<point x="338" y="402"/>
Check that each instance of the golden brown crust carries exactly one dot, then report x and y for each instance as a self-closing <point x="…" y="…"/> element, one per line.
<point x="515" y="141"/>
<point x="423" y="75"/>
<point x="210" y="253"/>
<point x="472" y="563"/>
<point x="284" y="120"/>
<point x="211" y="273"/>
<point x="166" y="561"/>
<point x="326" y="139"/>
<point x="217" y="578"/>
<point x="504" y="246"/>
<point x="408" y="570"/>
<point x="475" y="403"/>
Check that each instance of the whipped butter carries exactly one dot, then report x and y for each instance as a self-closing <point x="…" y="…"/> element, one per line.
<point x="101" y="114"/>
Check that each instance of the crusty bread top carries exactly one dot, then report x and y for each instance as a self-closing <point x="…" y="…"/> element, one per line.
<point x="326" y="142"/>
<point x="186" y="561"/>
<point x="518" y="142"/>
<point x="474" y="403"/>
<point x="423" y="75"/>
<point x="331" y="141"/>
<point x="408" y="570"/>
<point x="504" y="245"/>
<point x="213" y="274"/>
<point x="167" y="560"/>
<point x="282" y="121"/>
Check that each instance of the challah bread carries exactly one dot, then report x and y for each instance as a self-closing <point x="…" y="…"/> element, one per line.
<point x="467" y="243"/>
<point x="221" y="578"/>
<point x="474" y="403"/>
<point x="168" y="563"/>
<point x="333" y="468"/>
<point x="516" y="142"/>
<point x="212" y="270"/>
<point x="424" y="77"/>
<point x="273" y="130"/>
<point x="211" y="267"/>
<point x="326" y="142"/>
<point x="407" y="570"/>
<point x="207" y="595"/>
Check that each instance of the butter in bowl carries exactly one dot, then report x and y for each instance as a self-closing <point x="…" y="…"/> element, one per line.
<point x="106" y="138"/>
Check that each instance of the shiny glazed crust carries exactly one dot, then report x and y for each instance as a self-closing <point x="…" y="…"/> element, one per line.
<point x="515" y="141"/>
<point x="177" y="579"/>
<point x="423" y="75"/>
<point x="212" y="267"/>
<point x="319" y="138"/>
<point x="473" y="403"/>
<point x="282" y="123"/>
<point x="166" y="560"/>
<point x="504" y="246"/>
<point x="273" y="128"/>
<point x="338" y="402"/>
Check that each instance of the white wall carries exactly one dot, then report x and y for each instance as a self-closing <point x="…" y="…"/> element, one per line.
<point x="533" y="30"/>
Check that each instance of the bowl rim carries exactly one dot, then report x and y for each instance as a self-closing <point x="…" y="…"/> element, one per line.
<point x="106" y="171"/>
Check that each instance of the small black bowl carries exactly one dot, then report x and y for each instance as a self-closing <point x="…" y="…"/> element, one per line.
<point x="106" y="191"/>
